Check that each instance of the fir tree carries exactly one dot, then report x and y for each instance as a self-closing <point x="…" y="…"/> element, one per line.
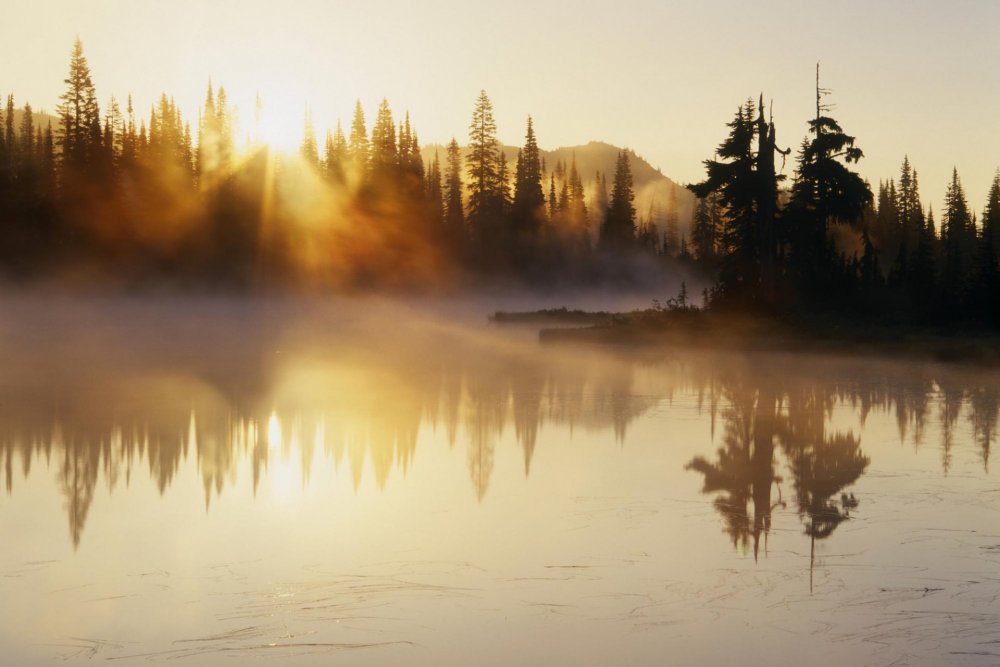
<point x="957" y="250"/>
<point x="733" y="176"/>
<point x="358" y="148"/>
<point x="336" y="155"/>
<point x="618" y="230"/>
<point x="79" y="115"/>
<point x="529" y="200"/>
<point x="435" y="193"/>
<point x="454" y="213"/>
<point x="309" y="149"/>
<point x="703" y="231"/>
<point x="482" y="164"/>
<point x="384" y="154"/>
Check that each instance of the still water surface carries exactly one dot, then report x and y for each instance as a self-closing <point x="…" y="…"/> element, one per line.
<point x="369" y="483"/>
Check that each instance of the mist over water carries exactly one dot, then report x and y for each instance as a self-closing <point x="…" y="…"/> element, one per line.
<point x="398" y="481"/>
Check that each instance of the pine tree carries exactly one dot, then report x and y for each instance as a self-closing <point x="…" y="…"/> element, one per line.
<point x="503" y="183"/>
<point x="384" y="153"/>
<point x="454" y="213"/>
<point x="529" y="200"/>
<point x="577" y="206"/>
<point x="553" y="203"/>
<point x="114" y="132"/>
<point x="703" y="231"/>
<point x="27" y="131"/>
<point x="309" y="149"/>
<point x="599" y="203"/>
<point x="987" y="264"/>
<point x="825" y="192"/>
<point x="358" y="149"/>
<point x="733" y="177"/>
<point x="618" y="230"/>
<point x="484" y="198"/>
<point x="435" y="193"/>
<point x="336" y="155"/>
<point x="957" y="250"/>
<point x="80" y="135"/>
<point x="10" y="136"/>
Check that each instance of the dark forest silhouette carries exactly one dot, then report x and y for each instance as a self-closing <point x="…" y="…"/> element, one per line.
<point x="139" y="199"/>
<point x="155" y="199"/>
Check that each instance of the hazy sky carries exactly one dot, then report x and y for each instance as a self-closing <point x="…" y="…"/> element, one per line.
<point x="661" y="77"/>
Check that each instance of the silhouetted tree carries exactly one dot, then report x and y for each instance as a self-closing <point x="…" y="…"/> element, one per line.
<point x="454" y="211"/>
<point x="79" y="115"/>
<point x="529" y="201"/>
<point x="618" y="229"/>
<point x="482" y="169"/>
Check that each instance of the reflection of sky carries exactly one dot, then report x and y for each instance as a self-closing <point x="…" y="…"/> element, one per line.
<point x="377" y="489"/>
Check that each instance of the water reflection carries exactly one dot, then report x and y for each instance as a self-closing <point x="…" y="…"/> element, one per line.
<point x="132" y="410"/>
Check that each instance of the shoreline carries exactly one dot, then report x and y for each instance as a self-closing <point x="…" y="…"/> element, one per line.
<point x="700" y="330"/>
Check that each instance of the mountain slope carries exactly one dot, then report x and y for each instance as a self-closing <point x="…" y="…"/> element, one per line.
<point x="651" y="186"/>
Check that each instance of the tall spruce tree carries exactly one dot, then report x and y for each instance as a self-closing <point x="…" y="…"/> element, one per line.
<point x="336" y="156"/>
<point x="384" y="154"/>
<point x="987" y="265"/>
<point x="825" y="192"/>
<point x="618" y="230"/>
<point x="482" y="166"/>
<point x="529" y="200"/>
<point x="309" y="150"/>
<point x="733" y="176"/>
<point x="358" y="148"/>
<point x="454" y="211"/>
<point x="957" y="250"/>
<point x="79" y="115"/>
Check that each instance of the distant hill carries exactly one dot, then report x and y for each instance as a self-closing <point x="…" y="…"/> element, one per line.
<point x="650" y="184"/>
<point x="40" y="119"/>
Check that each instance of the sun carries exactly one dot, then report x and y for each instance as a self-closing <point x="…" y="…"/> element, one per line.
<point x="279" y="126"/>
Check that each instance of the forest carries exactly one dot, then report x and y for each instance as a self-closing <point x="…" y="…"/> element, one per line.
<point x="106" y="196"/>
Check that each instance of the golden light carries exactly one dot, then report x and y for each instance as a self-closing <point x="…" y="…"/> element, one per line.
<point x="273" y="431"/>
<point x="279" y="124"/>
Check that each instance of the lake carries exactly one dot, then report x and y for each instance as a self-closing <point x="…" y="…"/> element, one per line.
<point x="397" y="482"/>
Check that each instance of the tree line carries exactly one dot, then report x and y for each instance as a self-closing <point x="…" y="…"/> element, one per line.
<point x="147" y="197"/>
<point x="827" y="242"/>
<point x="151" y="196"/>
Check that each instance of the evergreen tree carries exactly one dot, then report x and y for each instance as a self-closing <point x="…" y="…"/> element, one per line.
<point x="908" y="206"/>
<point x="733" y="176"/>
<point x="336" y="155"/>
<point x="599" y="201"/>
<point x="27" y="131"/>
<point x="553" y="203"/>
<point x="987" y="264"/>
<point x="454" y="213"/>
<point x="577" y="214"/>
<point x="435" y="193"/>
<point x="482" y="164"/>
<point x="529" y="200"/>
<point x="79" y="115"/>
<point x="358" y="148"/>
<point x="703" y="231"/>
<point x="309" y="149"/>
<point x="384" y="154"/>
<point x="618" y="230"/>
<point x="503" y="183"/>
<point x="825" y="192"/>
<point x="957" y="250"/>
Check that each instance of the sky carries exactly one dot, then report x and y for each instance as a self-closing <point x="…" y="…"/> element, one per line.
<point x="911" y="77"/>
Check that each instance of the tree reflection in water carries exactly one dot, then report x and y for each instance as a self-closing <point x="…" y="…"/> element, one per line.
<point x="366" y="401"/>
